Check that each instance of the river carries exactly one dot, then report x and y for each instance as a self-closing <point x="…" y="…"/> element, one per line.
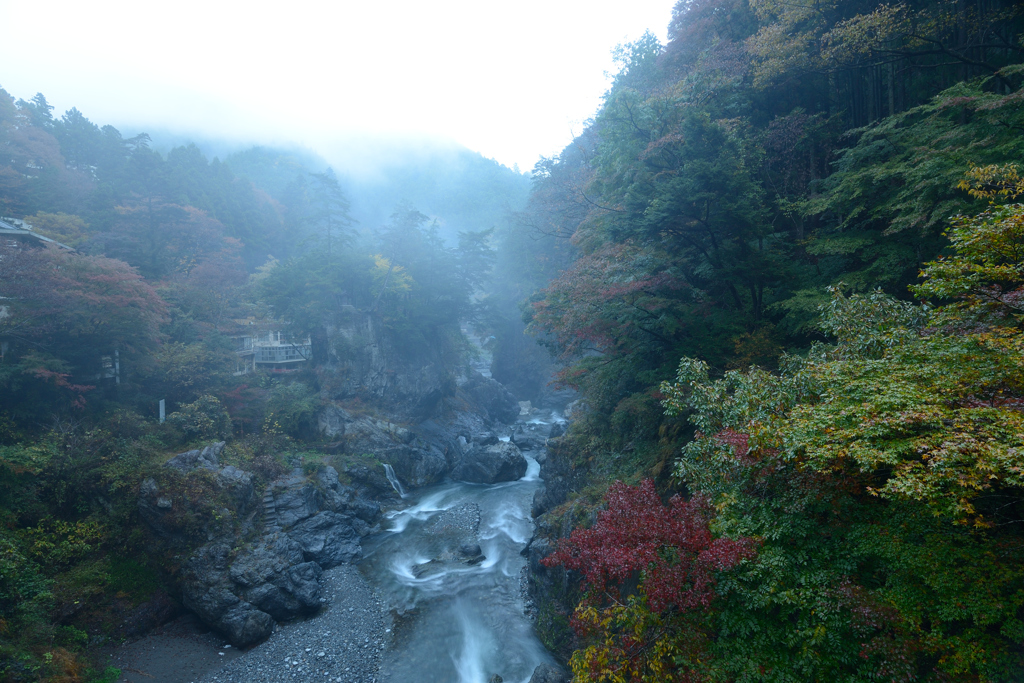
<point x="457" y="621"/>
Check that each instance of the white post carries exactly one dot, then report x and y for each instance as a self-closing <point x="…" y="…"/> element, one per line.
<point x="161" y="411"/>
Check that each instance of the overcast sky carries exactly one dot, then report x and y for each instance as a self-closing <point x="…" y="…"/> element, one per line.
<point x="511" y="80"/>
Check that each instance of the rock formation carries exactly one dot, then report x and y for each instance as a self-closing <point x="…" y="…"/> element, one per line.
<point x="243" y="578"/>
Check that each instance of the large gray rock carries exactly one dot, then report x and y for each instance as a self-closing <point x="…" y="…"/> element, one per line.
<point x="240" y="487"/>
<point x="416" y="466"/>
<point x="560" y="475"/>
<point x="329" y="539"/>
<point x="311" y="523"/>
<point x="417" y="461"/>
<point x="206" y="591"/>
<point x="446" y="436"/>
<point x="332" y="421"/>
<point x="367" y="435"/>
<point x="529" y="437"/>
<point x="491" y="397"/>
<point x="206" y="457"/>
<point x="295" y="499"/>
<point x="370" y="483"/>
<point x="245" y="625"/>
<point x="160" y="509"/>
<point x="274" y="577"/>
<point x="357" y="503"/>
<point x="241" y="596"/>
<point x="490" y="464"/>
<point x="367" y="361"/>
<point x="549" y="673"/>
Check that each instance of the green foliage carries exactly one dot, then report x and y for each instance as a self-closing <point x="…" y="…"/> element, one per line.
<point x="132" y="577"/>
<point x="883" y="474"/>
<point x="55" y="543"/>
<point x="203" y="419"/>
<point x="24" y="590"/>
<point x="770" y="150"/>
<point x="146" y="308"/>
<point x="110" y="674"/>
<point x="986" y="275"/>
<point x="186" y="371"/>
<point x="306" y="290"/>
<point x="894" y="189"/>
<point x="294" y="408"/>
<point x="928" y="414"/>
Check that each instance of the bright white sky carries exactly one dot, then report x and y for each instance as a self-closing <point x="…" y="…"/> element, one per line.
<point x="511" y="80"/>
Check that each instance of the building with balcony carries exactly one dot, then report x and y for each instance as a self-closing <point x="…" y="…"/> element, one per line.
<point x="270" y="350"/>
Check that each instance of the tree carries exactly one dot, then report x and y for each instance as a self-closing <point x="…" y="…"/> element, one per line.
<point x="66" y="311"/>
<point x="883" y="473"/>
<point x="660" y="632"/>
<point x="161" y="239"/>
<point x="65" y="228"/>
<point x="329" y="210"/>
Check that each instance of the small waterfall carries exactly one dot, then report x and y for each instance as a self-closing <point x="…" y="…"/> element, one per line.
<point x="395" y="484"/>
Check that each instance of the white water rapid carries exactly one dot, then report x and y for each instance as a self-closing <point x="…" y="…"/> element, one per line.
<point x="458" y="620"/>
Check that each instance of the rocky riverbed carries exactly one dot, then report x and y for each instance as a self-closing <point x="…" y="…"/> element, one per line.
<point x="447" y="563"/>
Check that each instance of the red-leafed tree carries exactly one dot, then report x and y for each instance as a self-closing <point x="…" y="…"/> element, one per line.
<point x="657" y="632"/>
<point x="162" y="238"/>
<point x="63" y="312"/>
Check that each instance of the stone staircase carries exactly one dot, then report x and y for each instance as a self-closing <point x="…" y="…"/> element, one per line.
<point x="269" y="512"/>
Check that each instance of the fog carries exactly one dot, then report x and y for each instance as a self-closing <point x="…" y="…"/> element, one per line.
<point x="512" y="82"/>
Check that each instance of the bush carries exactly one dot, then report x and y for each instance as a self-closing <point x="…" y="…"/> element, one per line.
<point x="203" y="419"/>
<point x="294" y="409"/>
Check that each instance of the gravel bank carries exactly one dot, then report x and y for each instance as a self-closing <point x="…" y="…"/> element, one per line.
<point x="343" y="644"/>
<point x="459" y="520"/>
<point x="179" y="652"/>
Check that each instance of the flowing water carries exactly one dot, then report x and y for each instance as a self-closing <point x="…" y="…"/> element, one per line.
<point x="458" y="622"/>
<point x="389" y="471"/>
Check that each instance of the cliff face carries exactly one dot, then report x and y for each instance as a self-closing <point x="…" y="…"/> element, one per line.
<point x="263" y="554"/>
<point x="366" y="360"/>
<point x="416" y="407"/>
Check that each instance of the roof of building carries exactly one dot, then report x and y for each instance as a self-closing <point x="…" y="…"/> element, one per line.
<point x="14" y="231"/>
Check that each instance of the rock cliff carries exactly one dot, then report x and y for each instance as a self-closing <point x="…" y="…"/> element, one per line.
<point x="262" y="559"/>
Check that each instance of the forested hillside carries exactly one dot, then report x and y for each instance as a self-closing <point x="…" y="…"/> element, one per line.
<point x="167" y="266"/>
<point x="781" y="268"/>
<point x="793" y="304"/>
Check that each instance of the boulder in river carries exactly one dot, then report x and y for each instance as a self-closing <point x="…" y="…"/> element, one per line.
<point x="548" y="673"/>
<point x="416" y="466"/>
<point x="490" y="397"/>
<point x="528" y="437"/>
<point x="491" y="464"/>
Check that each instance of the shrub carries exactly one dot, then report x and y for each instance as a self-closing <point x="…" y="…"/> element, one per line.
<point x="203" y="419"/>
